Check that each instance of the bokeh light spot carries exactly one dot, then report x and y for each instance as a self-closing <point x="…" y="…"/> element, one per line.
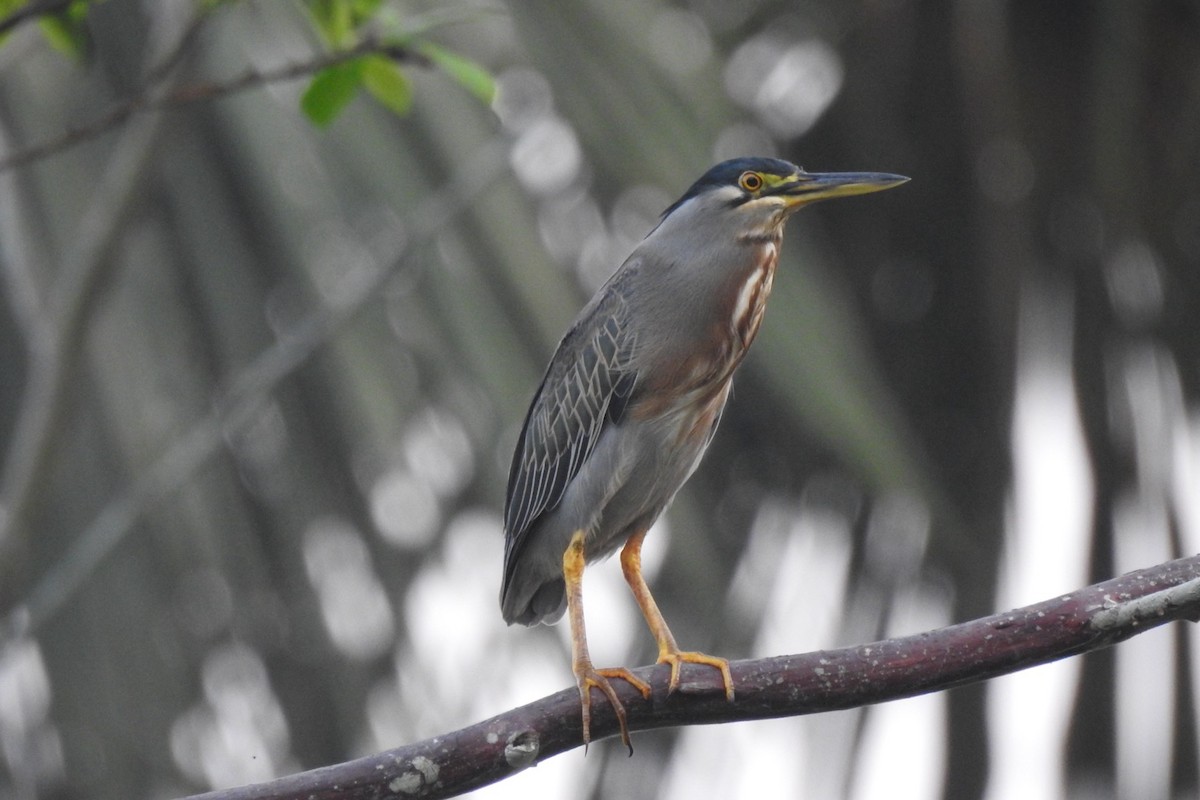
<point x="547" y="158"/>
<point x="788" y="85"/>
<point x="405" y="509"/>
<point x="354" y="606"/>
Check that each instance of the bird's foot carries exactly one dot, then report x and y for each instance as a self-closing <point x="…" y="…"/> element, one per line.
<point x="676" y="658"/>
<point x="587" y="677"/>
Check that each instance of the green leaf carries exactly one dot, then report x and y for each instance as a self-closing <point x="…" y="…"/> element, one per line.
<point x="334" y="21"/>
<point x="65" y="31"/>
<point x="467" y="73"/>
<point x="6" y="8"/>
<point x="64" y="36"/>
<point x="387" y="84"/>
<point x="331" y="90"/>
<point x="365" y="9"/>
<point x="338" y="21"/>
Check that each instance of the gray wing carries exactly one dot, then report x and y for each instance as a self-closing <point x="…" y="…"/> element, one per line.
<point x="586" y="387"/>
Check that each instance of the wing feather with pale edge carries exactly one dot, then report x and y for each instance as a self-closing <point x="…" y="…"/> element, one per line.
<point x="586" y="387"/>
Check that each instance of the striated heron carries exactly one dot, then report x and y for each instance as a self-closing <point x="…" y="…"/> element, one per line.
<point x="633" y="395"/>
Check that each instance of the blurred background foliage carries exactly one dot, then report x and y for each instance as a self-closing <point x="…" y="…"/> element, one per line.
<point x="260" y="379"/>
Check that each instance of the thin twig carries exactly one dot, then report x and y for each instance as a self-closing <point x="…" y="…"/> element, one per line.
<point x="252" y="78"/>
<point x="35" y="9"/>
<point x="782" y="686"/>
<point x="159" y="73"/>
<point x="148" y="100"/>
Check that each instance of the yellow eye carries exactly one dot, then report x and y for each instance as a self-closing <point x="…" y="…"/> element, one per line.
<point x="750" y="181"/>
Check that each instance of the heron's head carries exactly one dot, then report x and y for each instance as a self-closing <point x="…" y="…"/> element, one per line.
<point x="760" y="193"/>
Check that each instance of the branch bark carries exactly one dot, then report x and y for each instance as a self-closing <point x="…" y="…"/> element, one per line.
<point x="489" y="751"/>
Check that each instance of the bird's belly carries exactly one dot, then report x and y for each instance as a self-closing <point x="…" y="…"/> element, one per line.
<point x="658" y="456"/>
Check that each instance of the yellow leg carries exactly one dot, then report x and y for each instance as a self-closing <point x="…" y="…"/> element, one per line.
<point x="587" y="676"/>
<point x="668" y="650"/>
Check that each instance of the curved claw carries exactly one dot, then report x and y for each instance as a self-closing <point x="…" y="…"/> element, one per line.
<point x="676" y="658"/>
<point x="589" y="677"/>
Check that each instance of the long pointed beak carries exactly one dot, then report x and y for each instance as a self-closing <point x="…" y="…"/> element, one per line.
<point x="809" y="187"/>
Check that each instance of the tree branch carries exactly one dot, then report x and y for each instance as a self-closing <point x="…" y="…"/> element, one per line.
<point x="1079" y="622"/>
<point x="150" y="100"/>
